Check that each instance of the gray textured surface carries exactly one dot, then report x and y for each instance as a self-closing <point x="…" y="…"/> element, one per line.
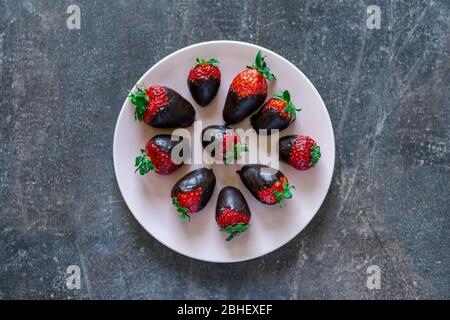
<point x="388" y="95"/>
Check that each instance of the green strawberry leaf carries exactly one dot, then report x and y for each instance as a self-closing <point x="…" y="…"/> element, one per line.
<point x="183" y="212"/>
<point x="235" y="230"/>
<point x="234" y="154"/>
<point x="285" y="194"/>
<point x="143" y="163"/>
<point x="290" y="108"/>
<point x="139" y="99"/>
<point x="315" y="155"/>
<point x="259" y="60"/>
<point x="261" y="66"/>
<point x="213" y="61"/>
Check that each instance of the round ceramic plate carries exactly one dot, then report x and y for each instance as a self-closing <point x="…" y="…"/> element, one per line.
<point x="148" y="197"/>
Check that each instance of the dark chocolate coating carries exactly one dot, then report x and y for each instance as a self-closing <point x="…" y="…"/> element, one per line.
<point x="232" y="198"/>
<point x="218" y="133"/>
<point x="204" y="90"/>
<point x="202" y="177"/>
<point x="179" y="113"/>
<point x="285" y="146"/>
<point x="166" y="144"/>
<point x="269" y="119"/>
<point x="255" y="181"/>
<point x="237" y="109"/>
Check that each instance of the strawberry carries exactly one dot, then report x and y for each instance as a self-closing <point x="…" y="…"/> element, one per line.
<point x="226" y="142"/>
<point x="266" y="184"/>
<point x="157" y="155"/>
<point x="232" y="212"/>
<point x="162" y="107"/>
<point x="301" y="152"/>
<point x="192" y="192"/>
<point x="204" y="81"/>
<point x="247" y="91"/>
<point x="277" y="113"/>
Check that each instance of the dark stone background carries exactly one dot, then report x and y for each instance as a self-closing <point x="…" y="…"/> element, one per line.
<point x="388" y="95"/>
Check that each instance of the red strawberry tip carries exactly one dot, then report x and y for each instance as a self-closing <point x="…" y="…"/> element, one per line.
<point x="143" y="163"/>
<point x="139" y="99"/>
<point x="261" y="66"/>
<point x="199" y="61"/>
<point x="285" y="194"/>
<point x="315" y="155"/>
<point x="235" y="230"/>
<point x="290" y="108"/>
<point x="238" y="148"/>
<point x="183" y="212"/>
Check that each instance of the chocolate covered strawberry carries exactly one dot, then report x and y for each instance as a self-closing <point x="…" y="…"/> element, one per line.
<point x="192" y="192"/>
<point x="247" y="91"/>
<point x="266" y="184"/>
<point x="301" y="152"/>
<point x="232" y="212"/>
<point x="162" y="107"/>
<point x="204" y="81"/>
<point x="277" y="113"/>
<point x="157" y="155"/>
<point x="224" y="141"/>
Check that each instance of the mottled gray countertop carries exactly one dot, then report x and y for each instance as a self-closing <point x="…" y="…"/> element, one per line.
<point x="388" y="94"/>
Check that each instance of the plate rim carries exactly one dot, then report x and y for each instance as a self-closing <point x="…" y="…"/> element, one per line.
<point x="241" y="43"/>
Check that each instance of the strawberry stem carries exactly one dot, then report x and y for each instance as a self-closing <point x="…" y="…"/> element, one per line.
<point x="235" y="230"/>
<point x="213" y="61"/>
<point x="183" y="212"/>
<point x="143" y="163"/>
<point x="261" y="66"/>
<point x="286" y="193"/>
<point x="290" y="107"/>
<point x="233" y="155"/>
<point x="315" y="155"/>
<point x="140" y="100"/>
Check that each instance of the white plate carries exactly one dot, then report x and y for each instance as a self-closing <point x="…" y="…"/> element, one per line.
<point x="148" y="197"/>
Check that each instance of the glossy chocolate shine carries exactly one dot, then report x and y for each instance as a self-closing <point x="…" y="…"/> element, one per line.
<point x="232" y="198"/>
<point x="216" y="132"/>
<point x="203" y="178"/>
<point x="178" y="113"/>
<point x="257" y="177"/>
<point x="166" y="144"/>
<point x="269" y="119"/>
<point x="285" y="146"/>
<point x="204" y="90"/>
<point x="237" y="109"/>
